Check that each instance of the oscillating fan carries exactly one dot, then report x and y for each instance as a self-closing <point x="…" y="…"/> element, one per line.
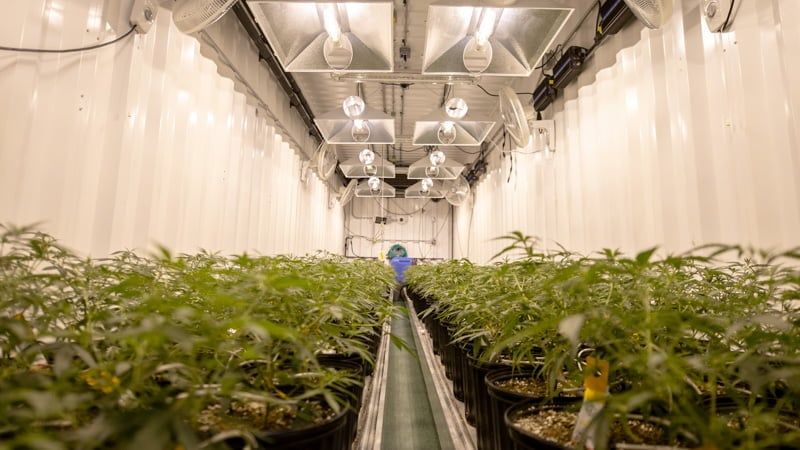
<point x="514" y="117"/>
<point x="346" y="193"/>
<point x="189" y="16"/>
<point x="652" y="13"/>
<point x="324" y="160"/>
<point x="459" y="191"/>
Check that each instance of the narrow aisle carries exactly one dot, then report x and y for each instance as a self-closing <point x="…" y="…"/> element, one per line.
<point x="409" y="420"/>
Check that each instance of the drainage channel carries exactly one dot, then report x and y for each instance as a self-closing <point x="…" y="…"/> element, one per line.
<point x="409" y="404"/>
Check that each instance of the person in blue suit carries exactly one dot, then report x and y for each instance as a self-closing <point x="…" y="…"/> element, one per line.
<point x="398" y="258"/>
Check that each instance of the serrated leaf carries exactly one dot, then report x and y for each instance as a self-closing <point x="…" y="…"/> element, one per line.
<point x="644" y="257"/>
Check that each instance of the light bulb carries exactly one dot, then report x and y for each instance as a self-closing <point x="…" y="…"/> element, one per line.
<point x="446" y="132"/>
<point x="427" y="183"/>
<point x="432" y="172"/>
<point x="456" y="108"/>
<point x="337" y="49"/>
<point x="353" y="106"/>
<point x="374" y="184"/>
<point x="478" y="52"/>
<point x="366" y="156"/>
<point x="485" y="26"/>
<point x="360" y="131"/>
<point x="370" y="170"/>
<point x="437" y="157"/>
<point x="331" y="23"/>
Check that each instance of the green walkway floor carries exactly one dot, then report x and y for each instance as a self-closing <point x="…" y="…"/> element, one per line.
<point x="412" y="412"/>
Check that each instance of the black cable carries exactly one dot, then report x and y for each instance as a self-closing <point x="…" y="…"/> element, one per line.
<point x="511" y="168"/>
<point x="402" y="85"/>
<point x="552" y="55"/>
<point x="404" y="213"/>
<point x="728" y="18"/>
<point x="487" y="92"/>
<point x="68" y="50"/>
<point x="409" y="150"/>
<point x="497" y="95"/>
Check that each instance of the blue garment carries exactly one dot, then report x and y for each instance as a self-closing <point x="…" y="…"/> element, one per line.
<point x="400" y="264"/>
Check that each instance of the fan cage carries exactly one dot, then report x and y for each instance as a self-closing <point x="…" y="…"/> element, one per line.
<point x="193" y="15"/>
<point x="653" y="13"/>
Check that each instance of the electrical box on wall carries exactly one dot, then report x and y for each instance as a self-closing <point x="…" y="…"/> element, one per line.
<point x="386" y="220"/>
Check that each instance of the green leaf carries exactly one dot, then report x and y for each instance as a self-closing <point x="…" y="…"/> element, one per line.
<point x="644" y="257"/>
<point x="331" y="401"/>
<point x="401" y="344"/>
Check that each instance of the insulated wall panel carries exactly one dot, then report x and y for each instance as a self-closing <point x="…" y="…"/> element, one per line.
<point x="673" y="137"/>
<point x="144" y="142"/>
<point x="421" y="226"/>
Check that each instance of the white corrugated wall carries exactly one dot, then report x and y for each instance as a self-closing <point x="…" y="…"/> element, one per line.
<point x="144" y="142"/>
<point x="422" y="226"/>
<point x="672" y="137"/>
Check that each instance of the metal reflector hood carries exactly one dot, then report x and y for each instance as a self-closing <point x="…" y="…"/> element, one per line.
<point x="471" y="130"/>
<point x="385" y="190"/>
<point x="435" y="191"/>
<point x="448" y="170"/>
<point x="353" y="168"/>
<point x="297" y="33"/>
<point x="518" y="36"/>
<point x="337" y="128"/>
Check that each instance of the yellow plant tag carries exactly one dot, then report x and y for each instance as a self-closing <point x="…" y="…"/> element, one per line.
<point x="595" y="382"/>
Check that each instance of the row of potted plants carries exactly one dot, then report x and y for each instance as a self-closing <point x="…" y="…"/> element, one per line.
<point x="705" y="345"/>
<point x="188" y="351"/>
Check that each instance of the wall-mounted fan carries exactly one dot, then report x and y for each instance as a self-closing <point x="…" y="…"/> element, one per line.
<point x="459" y="191"/>
<point x="189" y="16"/>
<point x="348" y="192"/>
<point x="514" y="117"/>
<point x="324" y="161"/>
<point x="652" y="13"/>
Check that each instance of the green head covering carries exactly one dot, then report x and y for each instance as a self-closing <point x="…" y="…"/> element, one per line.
<point x="396" y="250"/>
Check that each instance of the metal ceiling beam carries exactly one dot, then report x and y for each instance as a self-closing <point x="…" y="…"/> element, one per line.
<point x="409" y="78"/>
<point x="286" y="81"/>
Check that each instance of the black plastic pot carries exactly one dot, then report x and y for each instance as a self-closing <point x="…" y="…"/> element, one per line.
<point x="440" y="339"/>
<point x="373" y="342"/>
<point x="448" y="352"/>
<point x="419" y="302"/>
<point x="436" y="335"/>
<point x="476" y="399"/>
<point x="331" y="435"/>
<point x="523" y="440"/>
<point x="737" y="406"/>
<point x="501" y="399"/>
<point x="459" y="361"/>
<point x="346" y="362"/>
